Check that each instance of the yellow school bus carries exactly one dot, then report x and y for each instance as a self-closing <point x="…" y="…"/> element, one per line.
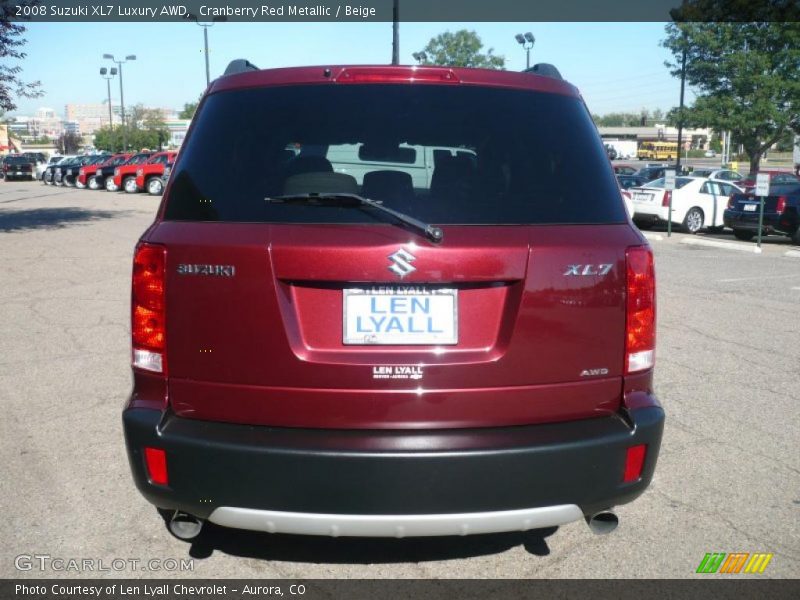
<point x="657" y="151"/>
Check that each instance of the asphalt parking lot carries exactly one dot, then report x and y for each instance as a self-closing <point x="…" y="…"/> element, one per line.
<point x="728" y="478"/>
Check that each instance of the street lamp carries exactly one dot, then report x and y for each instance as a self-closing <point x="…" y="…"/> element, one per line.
<point x="420" y="57"/>
<point x="108" y="75"/>
<point x="121" y="95"/>
<point x="205" y="26"/>
<point x="526" y="40"/>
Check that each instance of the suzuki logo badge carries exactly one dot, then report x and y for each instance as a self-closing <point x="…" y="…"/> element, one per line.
<point x="401" y="263"/>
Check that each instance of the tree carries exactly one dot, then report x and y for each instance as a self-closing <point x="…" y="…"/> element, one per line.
<point x="746" y="78"/>
<point x="11" y="42"/>
<point x="69" y="143"/>
<point x="461" y="49"/>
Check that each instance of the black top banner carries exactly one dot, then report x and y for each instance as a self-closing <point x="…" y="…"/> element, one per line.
<point x="406" y="10"/>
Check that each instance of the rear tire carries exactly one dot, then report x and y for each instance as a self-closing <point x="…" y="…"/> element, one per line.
<point x="744" y="234"/>
<point x="693" y="221"/>
<point x="154" y="186"/>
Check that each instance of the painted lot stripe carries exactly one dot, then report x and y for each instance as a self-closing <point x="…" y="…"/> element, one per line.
<point x="793" y="276"/>
<point x="793" y="253"/>
<point x="752" y="248"/>
<point x="653" y="237"/>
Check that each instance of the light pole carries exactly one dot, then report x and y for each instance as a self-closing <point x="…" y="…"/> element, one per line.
<point x="420" y="57"/>
<point x="108" y="76"/>
<point x="121" y="95"/>
<point x="526" y="40"/>
<point x="205" y="26"/>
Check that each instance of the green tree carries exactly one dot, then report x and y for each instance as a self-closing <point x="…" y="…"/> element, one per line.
<point x="461" y="49"/>
<point x="746" y="78"/>
<point x="11" y="42"/>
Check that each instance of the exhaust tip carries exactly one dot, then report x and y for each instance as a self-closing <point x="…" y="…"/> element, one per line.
<point x="185" y="526"/>
<point x="603" y="522"/>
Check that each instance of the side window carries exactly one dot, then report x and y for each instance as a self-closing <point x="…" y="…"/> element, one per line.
<point x="705" y="188"/>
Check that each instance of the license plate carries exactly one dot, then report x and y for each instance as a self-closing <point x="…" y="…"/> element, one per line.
<point x="750" y="207"/>
<point x="400" y="316"/>
<point x="643" y="197"/>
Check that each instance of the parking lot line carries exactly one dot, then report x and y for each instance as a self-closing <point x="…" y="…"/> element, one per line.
<point x="653" y="237"/>
<point x="726" y="245"/>
<point x="792" y="253"/>
<point x="792" y="276"/>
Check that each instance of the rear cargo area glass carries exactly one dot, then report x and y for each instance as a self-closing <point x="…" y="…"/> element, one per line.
<point x="450" y="154"/>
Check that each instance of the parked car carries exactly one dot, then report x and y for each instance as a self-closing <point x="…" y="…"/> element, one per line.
<point x="629" y="181"/>
<point x="651" y="173"/>
<point x="104" y="175"/>
<point x="125" y="174"/>
<point x="71" y="171"/>
<point x="312" y="355"/>
<point x="625" y="169"/>
<point x="158" y="190"/>
<point x="87" y="173"/>
<point x="148" y="175"/>
<point x="710" y="154"/>
<point x="776" y="177"/>
<point x="781" y="213"/>
<point x="697" y="202"/>
<point x="719" y="174"/>
<point x="39" y="160"/>
<point x="17" y="166"/>
<point x="49" y="175"/>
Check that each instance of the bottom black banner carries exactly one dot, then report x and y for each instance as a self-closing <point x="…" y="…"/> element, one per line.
<point x="416" y="589"/>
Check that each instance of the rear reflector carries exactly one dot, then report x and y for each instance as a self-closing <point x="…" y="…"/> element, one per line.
<point x="640" y="319"/>
<point x="156" y="461"/>
<point x="396" y="75"/>
<point x="148" y="308"/>
<point x="781" y="205"/>
<point x="667" y="198"/>
<point x="634" y="461"/>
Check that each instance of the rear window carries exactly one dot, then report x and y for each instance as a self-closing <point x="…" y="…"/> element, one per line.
<point x="679" y="182"/>
<point x="18" y="160"/>
<point x="443" y="154"/>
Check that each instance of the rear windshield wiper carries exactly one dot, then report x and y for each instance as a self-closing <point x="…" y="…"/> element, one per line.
<point x="354" y="200"/>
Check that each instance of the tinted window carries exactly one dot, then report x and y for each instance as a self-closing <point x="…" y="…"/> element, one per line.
<point x="18" y="160"/>
<point x="493" y="156"/>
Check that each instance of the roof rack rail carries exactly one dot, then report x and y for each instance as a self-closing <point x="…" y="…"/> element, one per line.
<point x="544" y="69"/>
<point x="240" y="65"/>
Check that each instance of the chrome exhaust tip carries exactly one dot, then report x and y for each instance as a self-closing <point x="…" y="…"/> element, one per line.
<point x="603" y="522"/>
<point x="185" y="526"/>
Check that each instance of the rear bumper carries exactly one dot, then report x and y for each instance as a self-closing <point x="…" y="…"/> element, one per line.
<point x="348" y="482"/>
<point x="785" y="223"/>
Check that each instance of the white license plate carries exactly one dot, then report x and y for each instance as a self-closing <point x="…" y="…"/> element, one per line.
<point x="750" y="207"/>
<point x="643" y="197"/>
<point x="410" y="315"/>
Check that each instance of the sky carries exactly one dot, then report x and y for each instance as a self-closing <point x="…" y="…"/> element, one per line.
<point x="616" y="66"/>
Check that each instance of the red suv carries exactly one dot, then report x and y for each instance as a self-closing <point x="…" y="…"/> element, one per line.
<point x="378" y="301"/>
<point x="148" y="175"/>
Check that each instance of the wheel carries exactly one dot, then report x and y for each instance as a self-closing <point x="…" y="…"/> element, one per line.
<point x="129" y="185"/>
<point x="693" y="221"/>
<point x="93" y="184"/>
<point x="79" y="185"/>
<point x="744" y="234"/>
<point x="110" y="187"/>
<point x="154" y="186"/>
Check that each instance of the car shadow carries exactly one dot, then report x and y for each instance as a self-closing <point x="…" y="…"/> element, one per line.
<point x="51" y="218"/>
<point x="350" y="550"/>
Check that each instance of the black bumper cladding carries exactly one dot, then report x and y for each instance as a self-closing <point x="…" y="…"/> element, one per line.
<point x="352" y="472"/>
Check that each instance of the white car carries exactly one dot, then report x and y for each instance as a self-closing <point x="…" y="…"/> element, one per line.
<point x="719" y="174"/>
<point x="697" y="202"/>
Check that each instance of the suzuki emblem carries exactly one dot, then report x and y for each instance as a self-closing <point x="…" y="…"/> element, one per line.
<point x="401" y="263"/>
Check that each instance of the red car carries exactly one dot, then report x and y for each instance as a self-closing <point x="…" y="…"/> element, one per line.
<point x="369" y="306"/>
<point x="86" y="174"/>
<point x="125" y="175"/>
<point x="148" y="175"/>
<point x="776" y="177"/>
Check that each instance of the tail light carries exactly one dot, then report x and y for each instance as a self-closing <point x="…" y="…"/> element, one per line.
<point x="667" y="198"/>
<point x="148" y="308"/>
<point x="640" y="318"/>
<point x="781" y="205"/>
